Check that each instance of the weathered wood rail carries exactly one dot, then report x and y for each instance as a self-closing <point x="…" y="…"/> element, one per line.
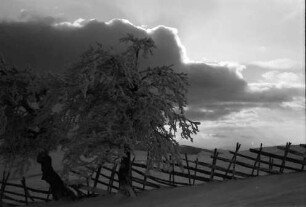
<point x="219" y="167"/>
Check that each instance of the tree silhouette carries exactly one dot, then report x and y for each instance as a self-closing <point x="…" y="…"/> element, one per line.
<point x="111" y="105"/>
<point x="28" y="126"/>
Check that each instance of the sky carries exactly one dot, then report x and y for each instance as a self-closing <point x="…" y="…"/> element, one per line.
<point x="245" y="59"/>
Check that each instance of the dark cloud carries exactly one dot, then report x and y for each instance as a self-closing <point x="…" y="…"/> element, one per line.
<point x="48" y="48"/>
<point x="215" y="91"/>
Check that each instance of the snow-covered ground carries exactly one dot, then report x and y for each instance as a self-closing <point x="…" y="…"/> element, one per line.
<point x="273" y="190"/>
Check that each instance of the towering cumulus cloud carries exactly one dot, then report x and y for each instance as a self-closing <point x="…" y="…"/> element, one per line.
<point x="216" y="90"/>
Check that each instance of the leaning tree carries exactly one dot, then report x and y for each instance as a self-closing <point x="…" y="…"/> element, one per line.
<point x="111" y="104"/>
<point x="28" y="124"/>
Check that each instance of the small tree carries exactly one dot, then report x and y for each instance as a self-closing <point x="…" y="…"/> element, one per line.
<point x="111" y="105"/>
<point x="28" y="126"/>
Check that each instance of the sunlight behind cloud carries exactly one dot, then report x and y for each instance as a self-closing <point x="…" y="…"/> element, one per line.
<point x="77" y="23"/>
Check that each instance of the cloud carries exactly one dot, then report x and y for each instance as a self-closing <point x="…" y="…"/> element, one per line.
<point x="279" y="64"/>
<point x="28" y="15"/>
<point x="216" y="89"/>
<point x="253" y="126"/>
<point x="284" y="78"/>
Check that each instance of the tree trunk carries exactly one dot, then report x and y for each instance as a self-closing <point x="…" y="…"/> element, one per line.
<point x="58" y="189"/>
<point x="125" y="180"/>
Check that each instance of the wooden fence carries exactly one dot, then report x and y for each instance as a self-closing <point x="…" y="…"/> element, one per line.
<point x="14" y="194"/>
<point x="217" y="168"/>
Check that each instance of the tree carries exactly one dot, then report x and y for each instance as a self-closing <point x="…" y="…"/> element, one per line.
<point x="111" y="105"/>
<point x="28" y="126"/>
<point x="102" y="107"/>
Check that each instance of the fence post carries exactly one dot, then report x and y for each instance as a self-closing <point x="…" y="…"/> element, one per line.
<point x="130" y="173"/>
<point x="26" y="192"/>
<point x="145" y="174"/>
<point x="110" y="184"/>
<point x="49" y="192"/>
<point x="270" y="164"/>
<point x="173" y="180"/>
<point x="195" y="171"/>
<point x="304" y="161"/>
<point x="303" y="164"/>
<point x="281" y="170"/>
<point x="257" y="161"/>
<point x="213" y="165"/>
<point x="87" y="184"/>
<point x="187" y="163"/>
<point x="170" y="173"/>
<point x="98" y="172"/>
<point x="233" y="160"/>
<point x="4" y="181"/>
